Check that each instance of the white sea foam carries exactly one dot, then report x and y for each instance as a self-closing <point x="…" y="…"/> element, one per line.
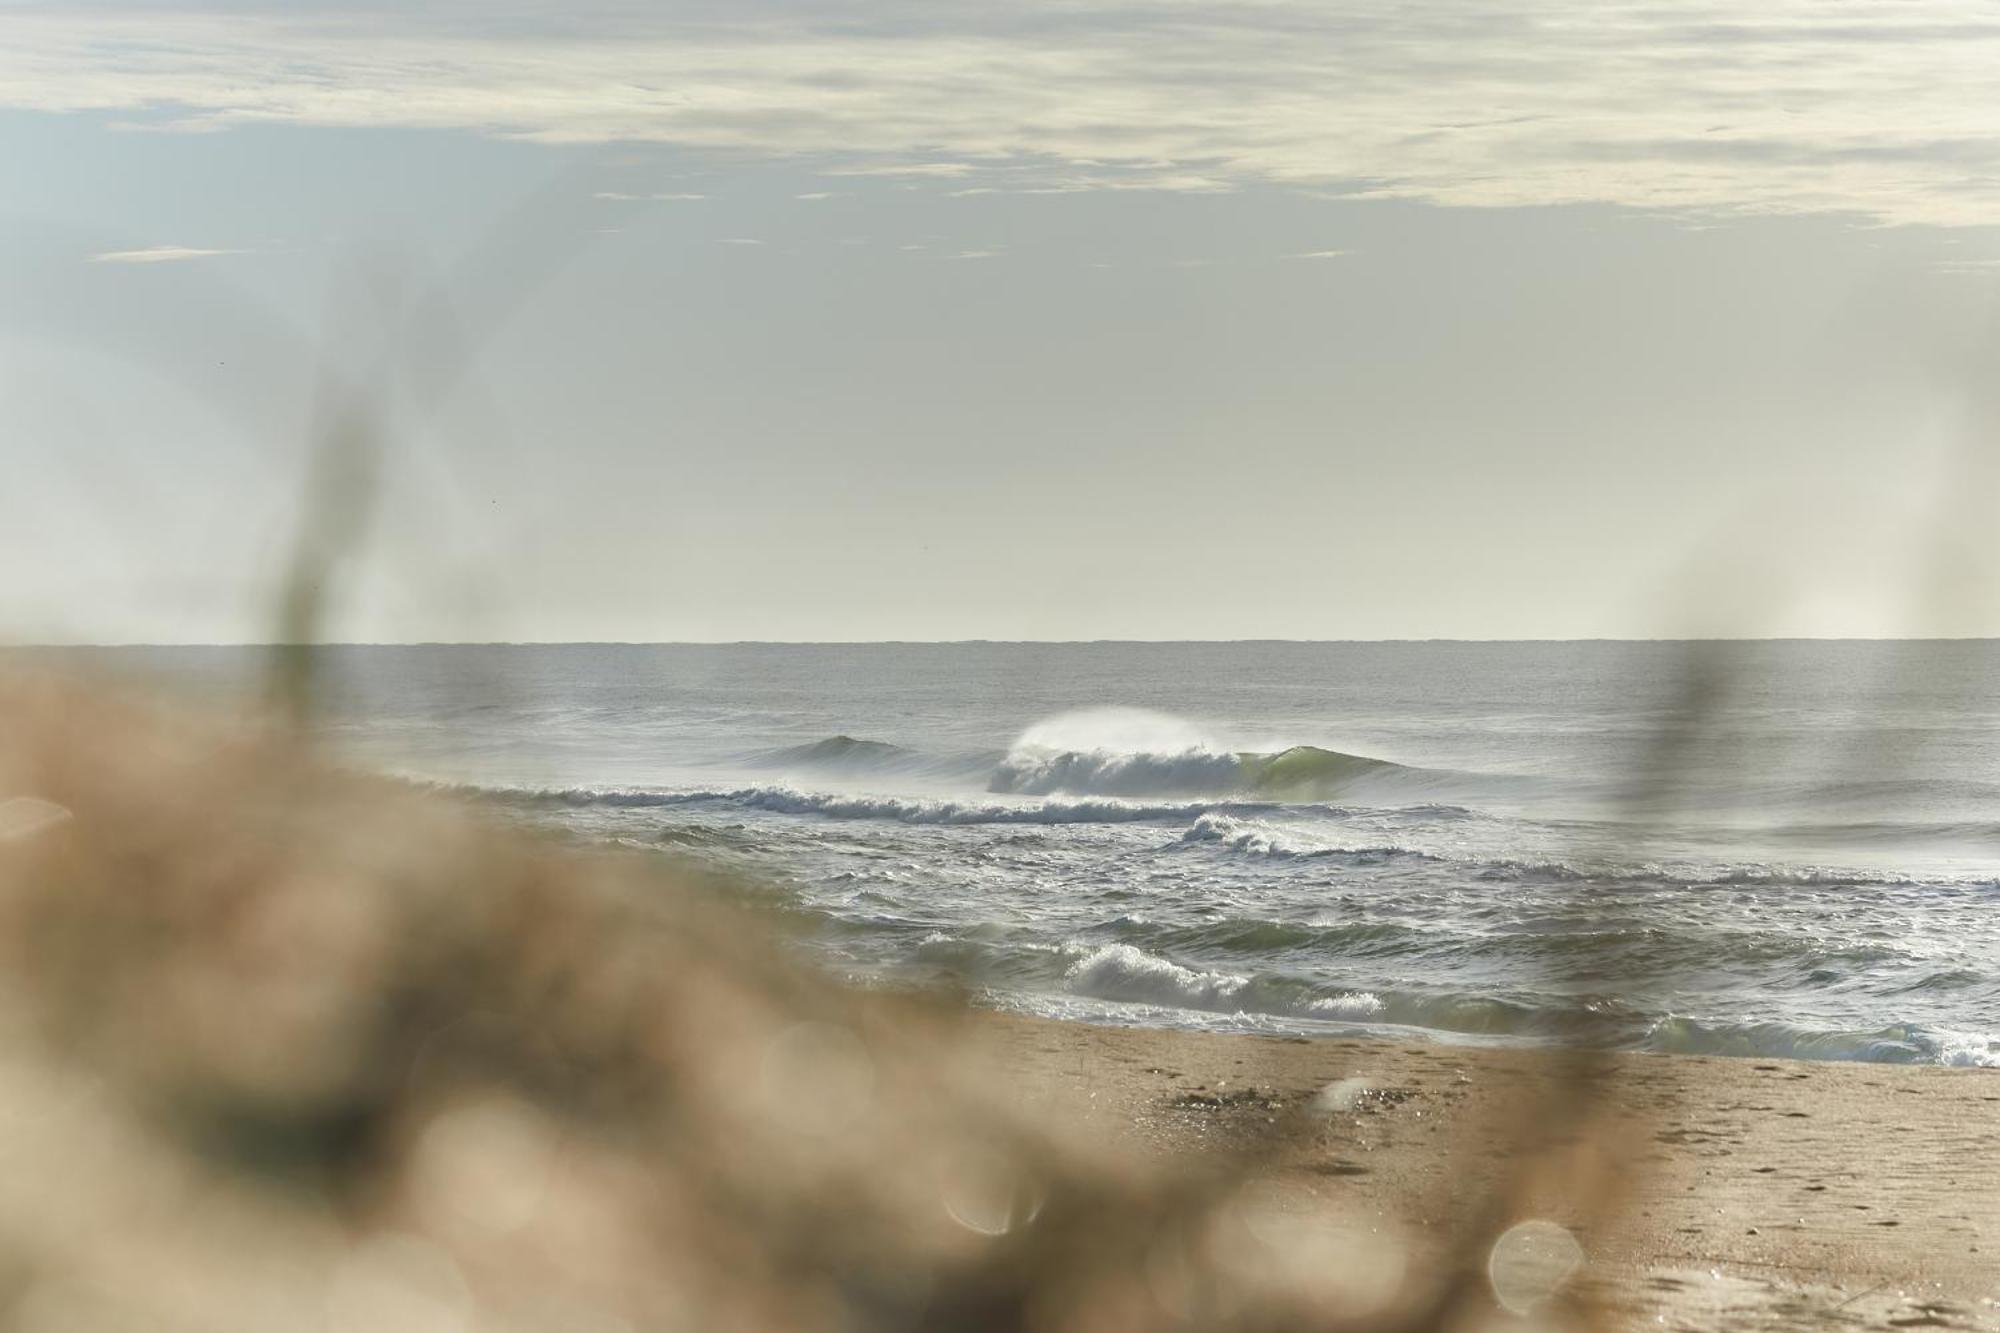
<point x="1130" y="752"/>
<point x="1116" y="752"/>
<point x="1117" y="731"/>
<point x="1123" y="972"/>
<point x="1129" y="974"/>
<point x="1968" y="1049"/>
<point x="1253" y="838"/>
<point x="1115" y="773"/>
<point x="1256" y="837"/>
<point x="1354" y="1004"/>
<point x="1274" y="842"/>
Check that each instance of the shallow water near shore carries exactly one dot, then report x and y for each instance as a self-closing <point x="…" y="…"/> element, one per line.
<point x="1787" y="848"/>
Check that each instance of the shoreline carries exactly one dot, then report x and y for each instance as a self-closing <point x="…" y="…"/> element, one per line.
<point x="1704" y="1191"/>
<point x="1093" y="1011"/>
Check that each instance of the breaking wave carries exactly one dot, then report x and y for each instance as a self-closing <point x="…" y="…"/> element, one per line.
<point x="1125" y="973"/>
<point x="1132" y="752"/>
<point x="1303" y="772"/>
<point x="1105" y="752"/>
<point x="1898" y="1044"/>
<point x="1260" y="839"/>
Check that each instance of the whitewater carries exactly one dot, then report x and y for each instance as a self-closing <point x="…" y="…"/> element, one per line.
<point x="1526" y="843"/>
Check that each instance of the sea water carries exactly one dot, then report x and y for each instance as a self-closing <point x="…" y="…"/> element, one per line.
<point x="1777" y="848"/>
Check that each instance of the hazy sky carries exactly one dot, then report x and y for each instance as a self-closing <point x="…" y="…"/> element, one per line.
<point x="1062" y="319"/>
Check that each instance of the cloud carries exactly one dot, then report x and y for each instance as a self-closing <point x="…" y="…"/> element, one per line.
<point x="741" y="240"/>
<point x="817" y="195"/>
<point x="1321" y="254"/>
<point x="158" y="254"/>
<point x="936" y="170"/>
<point x="1877" y="108"/>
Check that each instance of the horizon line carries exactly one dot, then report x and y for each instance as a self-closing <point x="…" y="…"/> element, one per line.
<point x="976" y="642"/>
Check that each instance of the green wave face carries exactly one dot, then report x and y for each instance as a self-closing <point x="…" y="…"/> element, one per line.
<point x="838" y="748"/>
<point x="1307" y="772"/>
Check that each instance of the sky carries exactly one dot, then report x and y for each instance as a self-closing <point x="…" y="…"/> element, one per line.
<point x="1157" y="319"/>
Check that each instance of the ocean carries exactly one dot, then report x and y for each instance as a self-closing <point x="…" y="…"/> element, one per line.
<point x="1762" y="848"/>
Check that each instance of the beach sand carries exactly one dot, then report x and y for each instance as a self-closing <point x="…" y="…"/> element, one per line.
<point x="1709" y="1193"/>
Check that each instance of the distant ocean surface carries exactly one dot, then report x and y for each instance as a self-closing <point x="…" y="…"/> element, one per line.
<point x="1777" y="849"/>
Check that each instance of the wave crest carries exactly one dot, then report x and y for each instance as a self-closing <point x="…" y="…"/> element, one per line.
<point x="855" y="758"/>
<point x="1126" y="973"/>
<point x="1191" y="772"/>
<point x="1303" y="772"/>
<point x="1900" y="1044"/>
<point x="1249" y="837"/>
<point x="1134" y="752"/>
<point x="839" y="752"/>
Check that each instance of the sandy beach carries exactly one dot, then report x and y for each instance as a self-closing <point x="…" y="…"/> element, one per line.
<point x="1705" y="1192"/>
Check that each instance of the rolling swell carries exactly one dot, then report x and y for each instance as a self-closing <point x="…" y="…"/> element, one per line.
<point x="1250" y="829"/>
<point x="1237" y="832"/>
<point x="1303" y="772"/>
<point x="851" y="757"/>
<point x="1299" y="773"/>
<point x="837" y="752"/>
<point x="899" y="809"/>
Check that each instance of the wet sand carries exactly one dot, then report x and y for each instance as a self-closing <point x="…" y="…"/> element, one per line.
<point x="1706" y="1193"/>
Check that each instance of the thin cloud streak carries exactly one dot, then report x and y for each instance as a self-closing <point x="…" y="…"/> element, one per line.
<point x="1879" y="108"/>
<point x="159" y="254"/>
